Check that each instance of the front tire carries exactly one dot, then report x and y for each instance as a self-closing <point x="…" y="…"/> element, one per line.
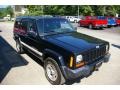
<point x="53" y="72"/>
<point x="90" y="26"/>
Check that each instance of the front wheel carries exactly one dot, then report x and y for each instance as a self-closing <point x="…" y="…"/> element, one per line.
<point x="53" y="72"/>
<point x="90" y="26"/>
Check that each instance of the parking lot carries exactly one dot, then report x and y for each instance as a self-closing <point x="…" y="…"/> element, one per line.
<point x="30" y="70"/>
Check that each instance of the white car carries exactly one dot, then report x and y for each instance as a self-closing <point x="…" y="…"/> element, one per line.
<point x="12" y="19"/>
<point x="73" y="18"/>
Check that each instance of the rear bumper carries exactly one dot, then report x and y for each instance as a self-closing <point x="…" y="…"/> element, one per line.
<point x="83" y="71"/>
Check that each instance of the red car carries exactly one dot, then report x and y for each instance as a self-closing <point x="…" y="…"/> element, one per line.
<point x="118" y="21"/>
<point x="93" y="22"/>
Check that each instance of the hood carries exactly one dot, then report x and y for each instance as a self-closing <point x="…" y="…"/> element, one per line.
<point x="76" y="42"/>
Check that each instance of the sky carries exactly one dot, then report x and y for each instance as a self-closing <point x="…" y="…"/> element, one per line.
<point x="3" y="6"/>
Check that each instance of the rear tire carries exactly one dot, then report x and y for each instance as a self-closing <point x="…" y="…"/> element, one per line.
<point x="53" y="72"/>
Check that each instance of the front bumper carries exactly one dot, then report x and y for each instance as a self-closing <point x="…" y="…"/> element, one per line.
<point x="83" y="71"/>
<point x="112" y="24"/>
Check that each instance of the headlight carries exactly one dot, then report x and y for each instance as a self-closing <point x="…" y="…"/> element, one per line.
<point x="79" y="58"/>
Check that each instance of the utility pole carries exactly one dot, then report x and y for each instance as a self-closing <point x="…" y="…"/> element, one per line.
<point x="14" y="11"/>
<point x="78" y="11"/>
<point x="42" y="10"/>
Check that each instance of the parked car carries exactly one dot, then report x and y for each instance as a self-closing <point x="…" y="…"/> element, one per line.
<point x="73" y="19"/>
<point x="12" y="19"/>
<point x="111" y="21"/>
<point x="77" y="19"/>
<point x="7" y="18"/>
<point x="70" y="18"/>
<point x="93" y="22"/>
<point x="65" y="53"/>
<point x="1" y="19"/>
<point x="118" y="21"/>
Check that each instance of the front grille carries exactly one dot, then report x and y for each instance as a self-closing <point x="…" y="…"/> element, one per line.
<point x="93" y="55"/>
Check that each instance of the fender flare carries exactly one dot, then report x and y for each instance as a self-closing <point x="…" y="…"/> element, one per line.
<point x="59" y="58"/>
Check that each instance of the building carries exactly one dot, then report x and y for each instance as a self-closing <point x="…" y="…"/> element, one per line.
<point x="19" y="10"/>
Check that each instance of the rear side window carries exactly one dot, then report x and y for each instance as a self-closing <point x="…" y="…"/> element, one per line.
<point x="24" y="24"/>
<point x="17" y="24"/>
<point x="32" y="25"/>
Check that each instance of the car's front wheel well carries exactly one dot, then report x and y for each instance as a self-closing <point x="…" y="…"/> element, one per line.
<point x="50" y="56"/>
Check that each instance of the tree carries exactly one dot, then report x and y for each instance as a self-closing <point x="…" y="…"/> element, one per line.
<point x="85" y="10"/>
<point x="117" y="8"/>
<point x="99" y="10"/>
<point x="35" y="10"/>
<point x="9" y="10"/>
<point x="72" y="10"/>
<point x="110" y="11"/>
<point x="2" y="12"/>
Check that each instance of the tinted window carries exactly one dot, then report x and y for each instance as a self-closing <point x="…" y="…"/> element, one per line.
<point x="24" y="24"/>
<point x="32" y="25"/>
<point x="56" y="25"/>
<point x="17" y="23"/>
<point x="40" y="26"/>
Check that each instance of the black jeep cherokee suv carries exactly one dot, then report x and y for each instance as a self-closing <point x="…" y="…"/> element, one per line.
<point x="66" y="54"/>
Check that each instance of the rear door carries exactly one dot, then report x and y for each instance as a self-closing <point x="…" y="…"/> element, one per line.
<point x="23" y="30"/>
<point x="33" y="37"/>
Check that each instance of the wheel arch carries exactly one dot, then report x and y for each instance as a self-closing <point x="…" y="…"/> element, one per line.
<point x="50" y="53"/>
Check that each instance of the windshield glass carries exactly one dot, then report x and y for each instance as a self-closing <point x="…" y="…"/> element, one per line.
<point x="54" y="25"/>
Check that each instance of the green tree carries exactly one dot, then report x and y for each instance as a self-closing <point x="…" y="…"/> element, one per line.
<point x="98" y="10"/>
<point x="117" y="8"/>
<point x="35" y="10"/>
<point x="2" y="12"/>
<point x="86" y="10"/>
<point x="110" y="11"/>
<point x="104" y="10"/>
<point x="9" y="10"/>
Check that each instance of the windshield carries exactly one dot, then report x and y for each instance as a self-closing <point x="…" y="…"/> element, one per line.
<point x="54" y="25"/>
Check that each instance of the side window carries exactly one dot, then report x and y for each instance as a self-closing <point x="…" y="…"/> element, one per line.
<point x="32" y="25"/>
<point x="24" y="24"/>
<point x="17" y="24"/>
<point x="40" y="26"/>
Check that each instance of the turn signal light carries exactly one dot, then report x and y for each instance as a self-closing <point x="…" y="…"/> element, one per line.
<point x="82" y="63"/>
<point x="71" y="61"/>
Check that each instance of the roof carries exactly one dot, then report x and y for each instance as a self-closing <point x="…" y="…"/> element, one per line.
<point x="36" y="17"/>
